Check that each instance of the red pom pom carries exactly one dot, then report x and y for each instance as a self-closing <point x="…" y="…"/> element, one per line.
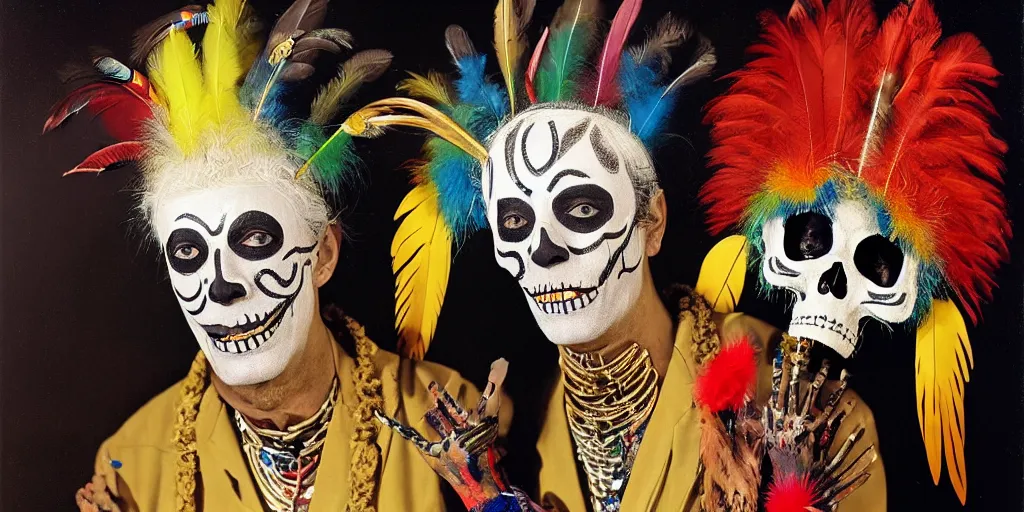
<point x="728" y="378"/>
<point x="791" y="493"/>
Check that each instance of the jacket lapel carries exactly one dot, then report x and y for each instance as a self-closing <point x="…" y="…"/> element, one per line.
<point x="669" y="449"/>
<point x="224" y="471"/>
<point x="558" y="476"/>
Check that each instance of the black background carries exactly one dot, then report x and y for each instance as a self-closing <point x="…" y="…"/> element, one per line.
<point x="91" y="330"/>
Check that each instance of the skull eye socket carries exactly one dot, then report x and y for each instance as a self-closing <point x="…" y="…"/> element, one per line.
<point x="186" y="251"/>
<point x="879" y="259"/>
<point x="255" y="235"/>
<point x="583" y="208"/>
<point x="808" y="236"/>
<point x="515" y="219"/>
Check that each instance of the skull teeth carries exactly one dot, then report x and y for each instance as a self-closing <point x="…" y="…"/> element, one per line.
<point x="826" y="323"/>
<point x="563" y="301"/>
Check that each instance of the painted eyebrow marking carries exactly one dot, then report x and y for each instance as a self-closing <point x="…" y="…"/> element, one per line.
<point x="571" y="137"/>
<point x="564" y="173"/>
<point x="510" y="158"/>
<point x="197" y="220"/>
<point x="537" y="171"/>
<point x="604" y="152"/>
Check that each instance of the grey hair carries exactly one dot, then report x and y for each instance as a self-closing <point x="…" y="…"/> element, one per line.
<point x="238" y="153"/>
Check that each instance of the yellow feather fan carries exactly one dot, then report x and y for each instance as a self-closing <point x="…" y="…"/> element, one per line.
<point x="421" y="255"/>
<point x="943" y="361"/>
<point x="723" y="272"/>
<point x="175" y="73"/>
<point x="225" y="41"/>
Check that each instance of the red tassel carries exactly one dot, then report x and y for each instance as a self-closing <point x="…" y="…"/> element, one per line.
<point x="728" y="378"/>
<point x="791" y="494"/>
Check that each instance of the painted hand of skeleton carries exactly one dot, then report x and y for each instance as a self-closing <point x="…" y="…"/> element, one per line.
<point x="465" y="455"/>
<point x="97" y="496"/>
<point x="799" y="433"/>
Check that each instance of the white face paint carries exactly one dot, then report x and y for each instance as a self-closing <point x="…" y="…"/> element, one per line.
<point x="563" y="211"/>
<point x="240" y="261"/>
<point x="842" y="269"/>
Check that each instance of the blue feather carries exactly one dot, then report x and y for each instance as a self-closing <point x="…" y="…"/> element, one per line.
<point x="455" y="174"/>
<point x="255" y="81"/>
<point x="474" y="89"/>
<point x="645" y="99"/>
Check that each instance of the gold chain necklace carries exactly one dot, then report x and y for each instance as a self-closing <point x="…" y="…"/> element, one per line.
<point x="608" y="404"/>
<point x="285" y="463"/>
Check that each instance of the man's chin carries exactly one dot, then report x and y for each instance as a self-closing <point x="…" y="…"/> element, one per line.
<point x="246" y="369"/>
<point x="571" y="329"/>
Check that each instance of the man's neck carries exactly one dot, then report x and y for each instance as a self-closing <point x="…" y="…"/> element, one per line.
<point x="297" y="393"/>
<point x="647" y="324"/>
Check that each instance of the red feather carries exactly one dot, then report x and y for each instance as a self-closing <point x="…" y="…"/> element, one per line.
<point x="607" y="89"/>
<point x="804" y="111"/>
<point x="120" y="106"/>
<point x="728" y="378"/>
<point x="531" y="70"/>
<point x="791" y="494"/>
<point x="939" y="164"/>
<point x="110" y="157"/>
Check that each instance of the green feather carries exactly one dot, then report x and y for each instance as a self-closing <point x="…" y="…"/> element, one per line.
<point x="559" y="74"/>
<point x="332" y="159"/>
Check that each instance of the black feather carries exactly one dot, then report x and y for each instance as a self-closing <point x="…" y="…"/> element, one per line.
<point x="150" y="35"/>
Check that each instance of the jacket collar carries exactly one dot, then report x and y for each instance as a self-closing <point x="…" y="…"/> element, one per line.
<point x="670" y="444"/>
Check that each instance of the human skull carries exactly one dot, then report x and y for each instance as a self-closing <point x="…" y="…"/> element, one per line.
<point x="842" y="269"/>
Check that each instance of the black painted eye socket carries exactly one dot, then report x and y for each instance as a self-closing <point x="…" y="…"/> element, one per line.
<point x="808" y="236"/>
<point x="255" y="235"/>
<point x="515" y="219"/>
<point x="186" y="251"/>
<point x="583" y="208"/>
<point x="879" y="259"/>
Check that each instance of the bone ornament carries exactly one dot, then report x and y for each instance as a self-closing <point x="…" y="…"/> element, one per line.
<point x="562" y="202"/>
<point x="841" y="270"/>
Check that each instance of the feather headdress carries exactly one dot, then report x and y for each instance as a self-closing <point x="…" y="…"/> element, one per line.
<point x="202" y="97"/>
<point x="446" y="204"/>
<point x="836" y="106"/>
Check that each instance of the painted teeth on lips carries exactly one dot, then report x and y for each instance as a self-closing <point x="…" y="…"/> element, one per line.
<point x="243" y="338"/>
<point x="557" y="296"/>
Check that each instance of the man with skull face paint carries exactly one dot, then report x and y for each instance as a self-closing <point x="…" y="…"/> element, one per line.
<point x="238" y="193"/>
<point x="858" y="160"/>
<point x="570" y="193"/>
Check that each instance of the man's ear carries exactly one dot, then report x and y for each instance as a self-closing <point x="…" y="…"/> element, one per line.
<point x="655" y="225"/>
<point x="327" y="257"/>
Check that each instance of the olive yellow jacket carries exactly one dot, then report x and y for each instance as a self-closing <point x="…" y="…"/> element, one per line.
<point x="143" y="445"/>
<point x="664" y="474"/>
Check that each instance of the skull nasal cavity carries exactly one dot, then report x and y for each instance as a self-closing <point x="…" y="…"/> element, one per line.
<point x="808" y="236"/>
<point x="223" y="291"/>
<point x="548" y="254"/>
<point x="833" y="281"/>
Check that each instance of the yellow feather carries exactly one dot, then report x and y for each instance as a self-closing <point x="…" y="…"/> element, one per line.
<point x="175" y="73"/>
<point x="223" y="45"/>
<point x="510" y="20"/>
<point x="943" y="362"/>
<point x="433" y="87"/>
<point x="421" y="255"/>
<point x="723" y="272"/>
